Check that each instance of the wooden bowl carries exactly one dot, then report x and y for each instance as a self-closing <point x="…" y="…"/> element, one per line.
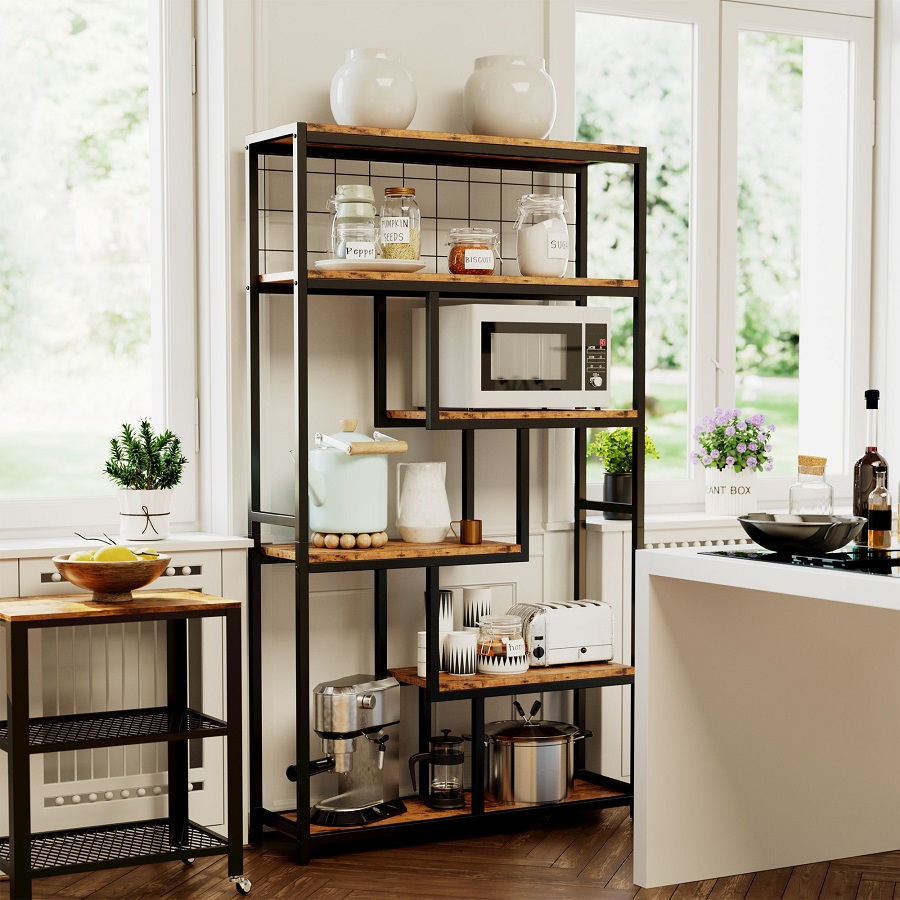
<point x="111" y="582"/>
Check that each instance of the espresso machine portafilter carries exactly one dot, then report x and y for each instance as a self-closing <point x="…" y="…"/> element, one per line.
<point x="352" y="717"/>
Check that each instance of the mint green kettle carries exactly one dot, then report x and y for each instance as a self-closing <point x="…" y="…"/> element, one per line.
<point x="347" y="481"/>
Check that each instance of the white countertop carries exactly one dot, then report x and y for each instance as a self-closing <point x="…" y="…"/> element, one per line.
<point x="24" y="548"/>
<point x="801" y="581"/>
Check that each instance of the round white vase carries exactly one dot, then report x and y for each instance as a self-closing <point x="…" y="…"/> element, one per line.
<point x="730" y="493"/>
<point x="372" y="89"/>
<point x="144" y="515"/>
<point x="511" y="96"/>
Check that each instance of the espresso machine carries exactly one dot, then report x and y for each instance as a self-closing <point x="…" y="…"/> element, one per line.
<point x="352" y="716"/>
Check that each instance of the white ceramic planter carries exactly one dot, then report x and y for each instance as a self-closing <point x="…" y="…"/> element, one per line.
<point x="730" y="493"/>
<point x="144" y="515"/>
<point x="510" y="95"/>
<point x="372" y="89"/>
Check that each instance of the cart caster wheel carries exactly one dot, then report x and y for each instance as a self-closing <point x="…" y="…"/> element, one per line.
<point x="189" y="861"/>
<point x="242" y="885"/>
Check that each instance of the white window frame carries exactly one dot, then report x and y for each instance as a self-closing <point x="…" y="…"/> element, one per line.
<point x="172" y="295"/>
<point x="713" y="245"/>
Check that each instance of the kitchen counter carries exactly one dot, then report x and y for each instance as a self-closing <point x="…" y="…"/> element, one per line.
<point x="767" y="716"/>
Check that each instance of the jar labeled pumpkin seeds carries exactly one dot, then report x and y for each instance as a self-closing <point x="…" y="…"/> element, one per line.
<point x="400" y="224"/>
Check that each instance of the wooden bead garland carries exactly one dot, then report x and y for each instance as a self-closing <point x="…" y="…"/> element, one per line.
<point x="349" y="541"/>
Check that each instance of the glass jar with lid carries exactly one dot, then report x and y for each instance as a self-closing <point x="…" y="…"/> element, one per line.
<point x="472" y="251"/>
<point x="811" y="494"/>
<point x="353" y="205"/>
<point x="542" y="235"/>
<point x="400" y="227"/>
<point x="501" y="646"/>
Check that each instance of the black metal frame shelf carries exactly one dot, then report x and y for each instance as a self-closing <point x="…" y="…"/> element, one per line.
<point x="25" y="856"/>
<point x="109" y="846"/>
<point x="300" y="142"/>
<point x="51" y="734"/>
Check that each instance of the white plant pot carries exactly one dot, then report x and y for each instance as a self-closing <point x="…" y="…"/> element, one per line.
<point x="511" y="96"/>
<point x="372" y="89"/>
<point x="730" y="493"/>
<point x="144" y="515"/>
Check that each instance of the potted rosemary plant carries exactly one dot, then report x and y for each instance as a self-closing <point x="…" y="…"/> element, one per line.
<point x="145" y="466"/>
<point x="612" y="446"/>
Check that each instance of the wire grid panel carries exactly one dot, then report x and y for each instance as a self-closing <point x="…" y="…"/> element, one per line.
<point x="448" y="197"/>
<point x="135" y="840"/>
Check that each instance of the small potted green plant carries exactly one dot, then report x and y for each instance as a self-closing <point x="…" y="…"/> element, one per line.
<point x="613" y="447"/>
<point x="145" y="466"/>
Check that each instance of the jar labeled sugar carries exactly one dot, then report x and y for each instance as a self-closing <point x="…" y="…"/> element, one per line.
<point x="542" y="236"/>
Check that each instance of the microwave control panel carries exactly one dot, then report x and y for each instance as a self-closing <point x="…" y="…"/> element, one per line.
<point x="596" y="351"/>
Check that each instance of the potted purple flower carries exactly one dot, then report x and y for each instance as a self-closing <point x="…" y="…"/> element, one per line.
<point x="732" y="447"/>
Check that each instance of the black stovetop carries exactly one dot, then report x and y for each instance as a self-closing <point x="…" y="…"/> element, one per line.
<point x="857" y="559"/>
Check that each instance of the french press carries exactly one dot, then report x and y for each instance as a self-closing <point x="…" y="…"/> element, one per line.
<point x="446" y="760"/>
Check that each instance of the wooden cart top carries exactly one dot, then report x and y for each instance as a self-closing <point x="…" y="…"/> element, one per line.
<point x="146" y="604"/>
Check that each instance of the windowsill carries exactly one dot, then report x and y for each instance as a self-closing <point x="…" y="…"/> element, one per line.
<point x="24" y="548"/>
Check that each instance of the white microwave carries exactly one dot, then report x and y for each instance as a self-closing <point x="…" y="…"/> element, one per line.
<point x="517" y="357"/>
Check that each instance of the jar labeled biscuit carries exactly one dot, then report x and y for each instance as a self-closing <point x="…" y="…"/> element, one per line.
<point x="472" y="251"/>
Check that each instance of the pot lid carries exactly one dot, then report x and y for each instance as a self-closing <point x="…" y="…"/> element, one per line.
<point x="535" y="731"/>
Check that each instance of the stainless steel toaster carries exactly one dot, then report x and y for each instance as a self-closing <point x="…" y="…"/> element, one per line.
<point x="568" y="632"/>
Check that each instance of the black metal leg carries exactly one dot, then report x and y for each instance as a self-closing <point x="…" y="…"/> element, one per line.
<point x="478" y="756"/>
<point x="254" y="658"/>
<point x="176" y="672"/>
<point x="18" y="763"/>
<point x="233" y="740"/>
<point x="381" y="595"/>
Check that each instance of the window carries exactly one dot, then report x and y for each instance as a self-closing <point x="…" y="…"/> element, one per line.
<point x="96" y="273"/>
<point x="758" y="124"/>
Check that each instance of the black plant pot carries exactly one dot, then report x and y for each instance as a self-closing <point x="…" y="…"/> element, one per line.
<point x="617" y="489"/>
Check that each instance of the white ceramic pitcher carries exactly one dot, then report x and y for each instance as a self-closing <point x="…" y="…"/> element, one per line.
<point x="423" y="512"/>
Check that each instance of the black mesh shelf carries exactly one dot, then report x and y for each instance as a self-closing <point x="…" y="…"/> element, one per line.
<point x="79" y="849"/>
<point x="116" y="727"/>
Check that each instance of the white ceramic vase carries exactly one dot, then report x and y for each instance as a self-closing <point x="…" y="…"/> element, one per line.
<point x="511" y="96"/>
<point x="423" y="511"/>
<point x="372" y="89"/>
<point x="730" y="493"/>
<point x="144" y="515"/>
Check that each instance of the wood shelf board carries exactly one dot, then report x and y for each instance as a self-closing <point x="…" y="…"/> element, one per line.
<point x="318" y="134"/>
<point x="534" y="677"/>
<point x="417" y="811"/>
<point x="429" y="278"/>
<point x="393" y="550"/>
<point x="475" y="415"/>
<point x="146" y="604"/>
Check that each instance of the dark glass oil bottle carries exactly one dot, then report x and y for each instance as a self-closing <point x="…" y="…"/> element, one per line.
<point x="864" y="470"/>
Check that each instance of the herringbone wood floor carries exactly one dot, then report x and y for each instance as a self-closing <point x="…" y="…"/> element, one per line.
<point x="573" y="854"/>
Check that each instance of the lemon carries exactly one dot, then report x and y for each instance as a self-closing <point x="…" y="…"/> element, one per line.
<point x="147" y="553"/>
<point x="81" y="555"/>
<point x="114" y="553"/>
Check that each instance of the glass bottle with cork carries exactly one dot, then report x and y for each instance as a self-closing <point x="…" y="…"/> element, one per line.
<point x="880" y="507"/>
<point x="864" y="470"/>
<point x="811" y="494"/>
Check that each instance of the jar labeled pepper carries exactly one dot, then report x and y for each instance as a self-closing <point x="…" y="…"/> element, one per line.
<point x="400" y="224"/>
<point x="472" y="251"/>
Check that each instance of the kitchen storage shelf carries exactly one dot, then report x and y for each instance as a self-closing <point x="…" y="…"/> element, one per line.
<point x="25" y="856"/>
<point x="300" y="142"/>
<point x="52" y="734"/>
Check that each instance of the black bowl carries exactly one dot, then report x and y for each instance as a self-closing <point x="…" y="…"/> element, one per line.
<point x="810" y="535"/>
